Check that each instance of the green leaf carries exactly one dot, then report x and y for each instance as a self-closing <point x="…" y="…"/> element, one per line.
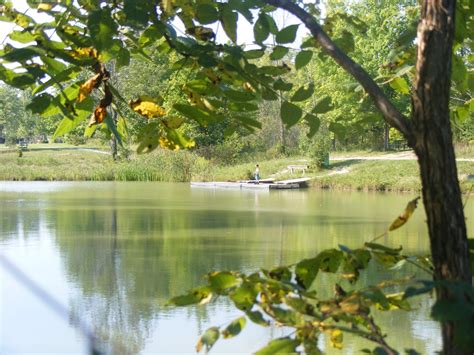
<point x="234" y="328"/>
<point x="244" y="296"/>
<point x="206" y="14"/>
<point x="229" y="23"/>
<point x="21" y="36"/>
<point x="254" y="53"/>
<point x="338" y="129"/>
<point x="323" y="106"/>
<point x="123" y="58"/>
<point x="286" y="316"/>
<point x="279" y="346"/>
<point x="257" y="318"/>
<point x="329" y="260"/>
<point x="202" y="116"/>
<point x="148" y="140"/>
<point x="208" y="339"/>
<point x="400" y="84"/>
<point x="287" y="35"/>
<point x="112" y="127"/>
<point x="22" y="54"/>
<point x="136" y="12"/>
<point x="345" y="42"/>
<point x="40" y="103"/>
<point x="269" y="95"/>
<point x="89" y="131"/>
<point x="151" y="35"/>
<point x="238" y="96"/>
<point x="102" y="28"/>
<point x="281" y="85"/>
<point x="193" y="296"/>
<point x="54" y="66"/>
<point x="275" y="70"/>
<point x="290" y="113"/>
<point x="271" y="24"/>
<point x="303" y="58"/>
<point x="65" y="126"/>
<point x="306" y="271"/>
<point x="313" y="123"/>
<point x="178" y="139"/>
<point x="281" y="273"/>
<point x="279" y="52"/>
<point x="242" y="106"/>
<point x="249" y="122"/>
<point x="223" y="280"/>
<point x="308" y="43"/>
<point x="261" y="29"/>
<point x="67" y="74"/>
<point x="303" y="93"/>
<point x="200" y="86"/>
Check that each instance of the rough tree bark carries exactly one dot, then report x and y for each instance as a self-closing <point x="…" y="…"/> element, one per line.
<point x="434" y="148"/>
<point x="428" y="133"/>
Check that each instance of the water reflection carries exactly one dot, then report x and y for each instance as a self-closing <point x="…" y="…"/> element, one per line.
<point x="125" y="248"/>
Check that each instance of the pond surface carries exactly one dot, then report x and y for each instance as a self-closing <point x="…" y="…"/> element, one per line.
<point x="113" y="253"/>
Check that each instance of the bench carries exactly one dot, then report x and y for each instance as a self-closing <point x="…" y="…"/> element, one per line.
<point x="293" y="168"/>
<point x="398" y="145"/>
<point x="23" y="145"/>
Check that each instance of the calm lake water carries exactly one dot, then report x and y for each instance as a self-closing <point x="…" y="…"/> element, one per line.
<point x="113" y="253"/>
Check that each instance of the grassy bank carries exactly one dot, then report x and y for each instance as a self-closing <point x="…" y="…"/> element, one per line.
<point x="62" y="162"/>
<point x="380" y="175"/>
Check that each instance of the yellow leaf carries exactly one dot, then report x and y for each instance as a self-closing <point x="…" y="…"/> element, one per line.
<point x="199" y="346"/>
<point x="201" y="32"/>
<point x="403" y="218"/>
<point x="98" y="116"/>
<point x="166" y="143"/>
<point x="199" y="101"/>
<point x="84" y="53"/>
<point x="336" y="339"/>
<point x="248" y="87"/>
<point x="147" y="107"/>
<point x="88" y="86"/>
<point x="44" y="7"/>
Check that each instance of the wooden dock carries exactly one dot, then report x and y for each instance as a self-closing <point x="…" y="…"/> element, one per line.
<point x="267" y="184"/>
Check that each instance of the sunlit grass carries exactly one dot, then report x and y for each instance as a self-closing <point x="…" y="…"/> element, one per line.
<point x="380" y="175"/>
<point x="71" y="164"/>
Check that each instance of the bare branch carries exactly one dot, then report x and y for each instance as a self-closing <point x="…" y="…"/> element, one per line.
<point x="390" y="113"/>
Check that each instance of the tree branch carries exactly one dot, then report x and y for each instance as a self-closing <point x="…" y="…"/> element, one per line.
<point x="390" y="113"/>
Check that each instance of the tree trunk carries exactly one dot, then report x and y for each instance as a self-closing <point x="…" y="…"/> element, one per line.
<point x="386" y="136"/>
<point x="113" y="139"/>
<point x="434" y="148"/>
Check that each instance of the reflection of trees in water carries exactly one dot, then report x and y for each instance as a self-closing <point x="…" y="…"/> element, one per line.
<point x="128" y="256"/>
<point x="127" y="262"/>
<point x="19" y="219"/>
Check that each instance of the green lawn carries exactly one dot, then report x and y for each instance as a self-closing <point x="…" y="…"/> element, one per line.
<point x="381" y="175"/>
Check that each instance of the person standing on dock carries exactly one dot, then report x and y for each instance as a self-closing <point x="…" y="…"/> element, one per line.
<point x="257" y="174"/>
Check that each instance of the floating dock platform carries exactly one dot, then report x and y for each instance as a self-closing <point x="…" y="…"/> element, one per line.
<point x="266" y="184"/>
